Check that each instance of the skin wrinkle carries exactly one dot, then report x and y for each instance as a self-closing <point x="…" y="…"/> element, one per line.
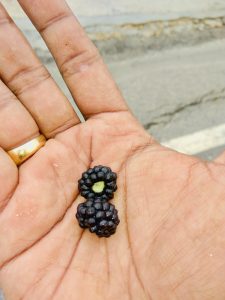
<point x="137" y="152"/>
<point x="165" y="220"/>
<point x="79" y="63"/>
<point x="31" y="85"/>
<point x="67" y="268"/>
<point x="98" y="115"/>
<point x="57" y="137"/>
<point x="38" y="240"/>
<point x="5" y="20"/>
<point x="107" y="262"/>
<point x="174" y="260"/>
<point x="7" y="98"/>
<point x="121" y="269"/>
<point x="101" y="116"/>
<point x="59" y="182"/>
<point x="129" y="241"/>
<point x="41" y="277"/>
<point x="178" y="199"/>
<point x="190" y="173"/>
<point x="6" y="200"/>
<point x="183" y="280"/>
<point x="9" y="196"/>
<point x="129" y="283"/>
<point x="62" y="127"/>
<point x="74" y="63"/>
<point x="198" y="254"/>
<point x="130" y="152"/>
<point x="52" y="21"/>
<point x="170" y="212"/>
<point x="23" y="297"/>
<point x="56" y="225"/>
<point x="133" y="152"/>
<point x="9" y="101"/>
<point x="37" y="74"/>
<point x="208" y="169"/>
<point x="91" y="151"/>
<point x="175" y="297"/>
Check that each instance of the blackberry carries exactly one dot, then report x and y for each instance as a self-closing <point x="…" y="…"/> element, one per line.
<point x="99" y="183"/>
<point x="99" y="217"/>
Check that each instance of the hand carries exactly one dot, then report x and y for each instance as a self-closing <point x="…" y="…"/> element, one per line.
<point x="171" y="239"/>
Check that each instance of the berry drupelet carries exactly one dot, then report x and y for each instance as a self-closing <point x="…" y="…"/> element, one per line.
<point x="100" y="217"/>
<point x="98" y="182"/>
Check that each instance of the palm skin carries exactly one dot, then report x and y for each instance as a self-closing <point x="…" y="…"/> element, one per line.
<point x="168" y="245"/>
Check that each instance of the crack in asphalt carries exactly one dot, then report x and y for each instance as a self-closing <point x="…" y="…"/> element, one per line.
<point x="167" y="117"/>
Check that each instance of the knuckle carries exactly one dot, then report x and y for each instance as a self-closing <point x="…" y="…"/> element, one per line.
<point x="5" y="21"/>
<point x="58" y="18"/>
<point x="4" y="17"/>
<point x="79" y="62"/>
<point x="26" y="78"/>
<point x="66" y="124"/>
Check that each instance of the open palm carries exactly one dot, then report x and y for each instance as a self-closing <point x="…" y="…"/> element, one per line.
<point x="170" y="242"/>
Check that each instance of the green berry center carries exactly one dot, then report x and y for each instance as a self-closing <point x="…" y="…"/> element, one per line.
<point x="98" y="187"/>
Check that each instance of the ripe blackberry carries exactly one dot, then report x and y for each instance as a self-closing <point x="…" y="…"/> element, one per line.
<point x="100" y="217"/>
<point x="99" y="183"/>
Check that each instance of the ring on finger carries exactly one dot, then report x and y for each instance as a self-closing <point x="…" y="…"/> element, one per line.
<point x="25" y="151"/>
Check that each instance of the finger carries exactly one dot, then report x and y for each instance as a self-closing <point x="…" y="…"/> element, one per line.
<point x="23" y="73"/>
<point x="220" y="159"/>
<point x="8" y="178"/>
<point x="77" y="58"/>
<point x="16" y="124"/>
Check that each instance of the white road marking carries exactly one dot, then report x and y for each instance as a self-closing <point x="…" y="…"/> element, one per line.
<point x="199" y="141"/>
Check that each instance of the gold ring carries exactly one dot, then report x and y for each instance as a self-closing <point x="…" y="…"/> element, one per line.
<point x="25" y="151"/>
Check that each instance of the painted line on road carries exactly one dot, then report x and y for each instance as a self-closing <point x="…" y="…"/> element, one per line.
<point x="199" y="141"/>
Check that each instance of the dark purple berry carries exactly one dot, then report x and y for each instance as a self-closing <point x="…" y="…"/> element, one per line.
<point x="100" y="218"/>
<point x="98" y="183"/>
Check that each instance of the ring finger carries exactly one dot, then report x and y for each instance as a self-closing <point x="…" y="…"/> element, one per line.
<point x="16" y="127"/>
<point x="16" y="124"/>
<point x="29" y="80"/>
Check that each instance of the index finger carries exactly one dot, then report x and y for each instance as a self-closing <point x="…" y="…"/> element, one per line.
<point x="76" y="56"/>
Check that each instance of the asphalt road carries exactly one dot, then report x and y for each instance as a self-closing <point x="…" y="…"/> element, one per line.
<point x="174" y="92"/>
<point x="106" y="11"/>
